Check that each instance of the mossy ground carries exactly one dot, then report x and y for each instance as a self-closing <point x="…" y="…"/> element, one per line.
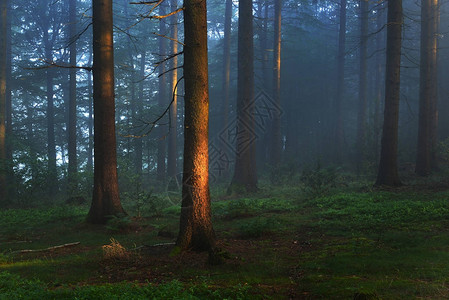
<point x="348" y="241"/>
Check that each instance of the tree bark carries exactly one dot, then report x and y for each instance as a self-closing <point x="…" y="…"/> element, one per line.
<point x="361" y="115"/>
<point x="162" y="98"/>
<point x="340" y="82"/>
<point x="276" y="124"/>
<point x="388" y="167"/>
<point x="196" y="230"/>
<point x="172" y="149"/>
<point x="226" y="65"/>
<point x="73" y="164"/>
<point x="245" y="173"/>
<point x="105" y="198"/>
<point x="427" y="89"/>
<point x="3" y="58"/>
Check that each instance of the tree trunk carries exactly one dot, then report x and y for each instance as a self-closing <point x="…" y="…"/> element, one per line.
<point x="245" y="173"/>
<point x="226" y="72"/>
<point x="276" y="143"/>
<point x="378" y="81"/>
<point x="3" y="58"/>
<point x="73" y="165"/>
<point x="196" y="230"/>
<point x="105" y="198"/>
<point x="361" y="115"/>
<point x="9" y="133"/>
<point x="340" y="83"/>
<point x="51" y="144"/>
<point x="388" y="167"/>
<point x="138" y="143"/>
<point x="172" y="149"/>
<point x="427" y="89"/>
<point x="91" y="119"/>
<point x="162" y="99"/>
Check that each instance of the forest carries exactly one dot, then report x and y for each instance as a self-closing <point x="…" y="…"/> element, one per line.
<point x="224" y="149"/>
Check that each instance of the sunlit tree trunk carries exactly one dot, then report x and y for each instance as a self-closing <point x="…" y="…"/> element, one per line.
<point x="162" y="98"/>
<point x="73" y="165"/>
<point x="361" y="115"/>
<point x="276" y="143"/>
<point x="340" y="82"/>
<point x="173" y="134"/>
<point x="388" y="167"/>
<point x="105" y="198"/>
<point x="245" y="173"/>
<point x="196" y="230"/>
<point x="427" y="88"/>
<point x="3" y="57"/>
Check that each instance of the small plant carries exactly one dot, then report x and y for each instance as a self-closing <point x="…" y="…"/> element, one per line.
<point x="319" y="180"/>
<point x="114" y="250"/>
<point x="119" y="224"/>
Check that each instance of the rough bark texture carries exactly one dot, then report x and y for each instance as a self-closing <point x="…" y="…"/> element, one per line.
<point x="276" y="125"/>
<point x="388" y="170"/>
<point x="172" y="149"/>
<point x="380" y="39"/>
<point x="91" y="117"/>
<point x="427" y="88"/>
<point x="105" y="198"/>
<point x="245" y="173"/>
<point x="73" y="165"/>
<point x="162" y="99"/>
<point x="361" y="115"/>
<point x="3" y="163"/>
<point x="196" y="230"/>
<point x="340" y="82"/>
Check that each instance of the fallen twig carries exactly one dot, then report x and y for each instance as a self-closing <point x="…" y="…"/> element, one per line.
<point x="47" y="249"/>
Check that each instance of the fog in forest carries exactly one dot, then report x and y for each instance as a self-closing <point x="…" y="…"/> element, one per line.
<point x="286" y="97"/>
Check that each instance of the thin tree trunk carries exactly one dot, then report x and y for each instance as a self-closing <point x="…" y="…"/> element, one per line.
<point x="173" y="135"/>
<point x="361" y="115"/>
<point x="340" y="83"/>
<point x="162" y="99"/>
<point x="245" y="173"/>
<point x="138" y="143"/>
<point x="91" y="119"/>
<point x="427" y="89"/>
<point x="378" y="81"/>
<point x="51" y="145"/>
<point x="9" y="133"/>
<point x="276" y="124"/>
<point x="196" y="231"/>
<point x="73" y="164"/>
<point x="388" y="167"/>
<point x="226" y="71"/>
<point x="3" y="59"/>
<point x="105" y="198"/>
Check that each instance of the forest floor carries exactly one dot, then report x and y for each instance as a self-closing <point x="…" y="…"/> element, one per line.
<point x="333" y="238"/>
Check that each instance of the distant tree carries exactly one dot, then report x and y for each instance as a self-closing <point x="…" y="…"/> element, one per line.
<point x="361" y="115"/>
<point x="73" y="162"/>
<point x="276" y="143"/>
<point x="225" y="88"/>
<point x="162" y="96"/>
<point x="105" y="198"/>
<point x="388" y="167"/>
<point x="425" y="155"/>
<point x="173" y="134"/>
<point x="245" y="173"/>
<point x="196" y="231"/>
<point x="340" y="81"/>
<point x="3" y="58"/>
